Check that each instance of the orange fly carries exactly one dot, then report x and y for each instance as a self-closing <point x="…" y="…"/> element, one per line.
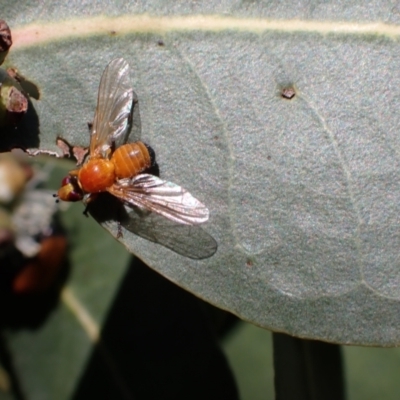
<point x="117" y="167"/>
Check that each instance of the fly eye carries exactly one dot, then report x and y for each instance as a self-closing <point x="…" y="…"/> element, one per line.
<point x="67" y="180"/>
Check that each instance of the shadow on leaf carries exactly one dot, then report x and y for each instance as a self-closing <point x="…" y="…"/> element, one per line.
<point x="187" y="240"/>
<point x="24" y="135"/>
<point x="157" y="342"/>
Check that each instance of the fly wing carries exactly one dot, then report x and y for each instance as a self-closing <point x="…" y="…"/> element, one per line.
<point x="164" y="198"/>
<point x="113" y="114"/>
<point x="188" y="240"/>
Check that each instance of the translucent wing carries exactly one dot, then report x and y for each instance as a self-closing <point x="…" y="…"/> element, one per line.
<point x="188" y="240"/>
<point x="164" y="198"/>
<point x="114" y="108"/>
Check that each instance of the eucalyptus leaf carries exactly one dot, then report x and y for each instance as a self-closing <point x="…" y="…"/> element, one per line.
<point x="303" y="190"/>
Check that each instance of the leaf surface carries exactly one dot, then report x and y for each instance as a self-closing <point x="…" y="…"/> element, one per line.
<point x="303" y="193"/>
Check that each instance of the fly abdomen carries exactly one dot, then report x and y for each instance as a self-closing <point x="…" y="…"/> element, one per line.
<point x="131" y="159"/>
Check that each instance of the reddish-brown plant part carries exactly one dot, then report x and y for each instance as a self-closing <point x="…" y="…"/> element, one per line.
<point x="5" y="36"/>
<point x="28" y="86"/>
<point x="78" y="152"/>
<point x="64" y="146"/>
<point x="17" y="102"/>
<point x="13" y="102"/>
<point x="41" y="272"/>
<point x="5" y="40"/>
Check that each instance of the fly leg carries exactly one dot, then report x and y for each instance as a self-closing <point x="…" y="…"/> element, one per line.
<point x="87" y="200"/>
<point x="86" y="211"/>
<point x="119" y="224"/>
<point x="119" y="230"/>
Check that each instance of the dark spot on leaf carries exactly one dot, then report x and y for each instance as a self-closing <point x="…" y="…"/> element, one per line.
<point x="288" y="92"/>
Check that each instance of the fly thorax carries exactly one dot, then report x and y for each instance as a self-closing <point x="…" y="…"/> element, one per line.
<point x="97" y="175"/>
